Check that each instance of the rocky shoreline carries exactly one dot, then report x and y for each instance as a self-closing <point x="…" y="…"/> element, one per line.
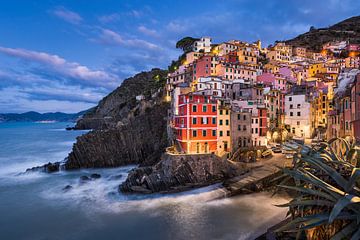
<point x="179" y="173"/>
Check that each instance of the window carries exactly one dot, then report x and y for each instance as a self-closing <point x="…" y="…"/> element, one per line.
<point x="227" y="122"/>
<point x="299" y="105"/>
<point x="238" y="116"/>
<point x="194" y="133"/>
<point x="221" y="112"/>
<point x="298" y="123"/>
<point x="239" y="127"/>
<point x="214" y="133"/>
<point x="213" y="108"/>
<point x="204" y="133"/>
<point x="194" y="108"/>
<point x="291" y="106"/>
<point x="213" y="120"/>
<point x="194" y="120"/>
<point x="291" y="114"/>
<point x="204" y="108"/>
<point x="221" y="133"/>
<point x="227" y="112"/>
<point x="228" y="133"/>
<point x="221" y="122"/>
<point x="256" y="120"/>
<point x="244" y="117"/>
<point x="299" y="114"/>
<point x="290" y="99"/>
<point x="244" y="127"/>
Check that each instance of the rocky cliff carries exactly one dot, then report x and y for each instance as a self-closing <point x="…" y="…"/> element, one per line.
<point x="114" y="109"/>
<point x="179" y="172"/>
<point x="126" y="130"/>
<point x="141" y="140"/>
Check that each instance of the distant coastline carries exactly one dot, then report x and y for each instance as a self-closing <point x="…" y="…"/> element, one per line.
<point x="40" y="117"/>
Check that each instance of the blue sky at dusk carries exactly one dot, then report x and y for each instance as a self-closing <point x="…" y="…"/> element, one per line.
<point x="67" y="55"/>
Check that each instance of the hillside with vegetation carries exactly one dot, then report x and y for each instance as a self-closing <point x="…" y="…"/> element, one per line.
<point x="347" y="30"/>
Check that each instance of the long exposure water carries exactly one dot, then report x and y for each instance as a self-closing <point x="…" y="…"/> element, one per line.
<point x="35" y="206"/>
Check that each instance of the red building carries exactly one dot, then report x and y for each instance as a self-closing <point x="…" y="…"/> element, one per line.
<point x="202" y="67"/>
<point x="196" y="123"/>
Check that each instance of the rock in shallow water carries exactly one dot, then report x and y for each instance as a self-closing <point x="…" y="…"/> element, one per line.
<point x="95" y="176"/>
<point x="84" y="178"/>
<point x="67" y="188"/>
<point x="178" y="173"/>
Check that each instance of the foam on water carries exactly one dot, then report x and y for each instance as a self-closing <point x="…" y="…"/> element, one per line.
<point x="97" y="203"/>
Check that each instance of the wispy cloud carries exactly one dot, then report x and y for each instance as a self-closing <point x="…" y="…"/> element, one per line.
<point x="114" y="17"/>
<point x="61" y="66"/>
<point x="67" y="15"/>
<point x="113" y="38"/>
<point x="148" y="31"/>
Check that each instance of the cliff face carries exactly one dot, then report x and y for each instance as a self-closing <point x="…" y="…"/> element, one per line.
<point x="118" y="104"/>
<point x="126" y="130"/>
<point x="347" y="30"/>
<point x="179" y="172"/>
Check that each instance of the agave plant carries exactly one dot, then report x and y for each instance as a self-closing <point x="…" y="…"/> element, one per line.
<point x="327" y="181"/>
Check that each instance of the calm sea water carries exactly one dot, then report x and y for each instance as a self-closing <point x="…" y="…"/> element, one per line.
<point x="35" y="206"/>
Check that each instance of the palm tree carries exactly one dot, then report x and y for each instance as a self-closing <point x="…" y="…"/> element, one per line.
<point x="328" y="187"/>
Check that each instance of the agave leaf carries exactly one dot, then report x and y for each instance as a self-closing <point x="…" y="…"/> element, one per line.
<point x="295" y="222"/>
<point x="311" y="202"/>
<point x="341" y="204"/>
<point x="314" y="222"/>
<point x="345" y="232"/>
<point x="355" y="175"/>
<point x="356" y="235"/>
<point x="310" y="178"/>
<point x="329" y="170"/>
<point x="309" y="191"/>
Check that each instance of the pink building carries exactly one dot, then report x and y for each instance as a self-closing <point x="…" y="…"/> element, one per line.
<point x="353" y="47"/>
<point x="355" y="107"/>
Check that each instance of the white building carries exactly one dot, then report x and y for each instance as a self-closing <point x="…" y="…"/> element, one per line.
<point x="204" y="44"/>
<point x="297" y="115"/>
<point x="210" y="86"/>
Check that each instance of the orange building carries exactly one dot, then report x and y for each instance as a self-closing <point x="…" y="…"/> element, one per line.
<point x="196" y="123"/>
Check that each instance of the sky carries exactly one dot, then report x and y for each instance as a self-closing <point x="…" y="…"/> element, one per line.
<point x="67" y="55"/>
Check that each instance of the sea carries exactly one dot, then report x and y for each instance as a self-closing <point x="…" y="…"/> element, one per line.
<point x="35" y="205"/>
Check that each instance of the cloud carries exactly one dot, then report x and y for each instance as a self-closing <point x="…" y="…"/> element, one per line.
<point x="112" y="38"/>
<point x="114" y="17"/>
<point x="147" y="31"/>
<point x="176" y="27"/>
<point x="66" y="69"/>
<point x="67" y="15"/>
<point x="14" y="99"/>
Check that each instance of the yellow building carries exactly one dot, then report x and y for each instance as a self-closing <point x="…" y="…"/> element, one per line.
<point x="316" y="68"/>
<point x="247" y="55"/>
<point x="223" y="132"/>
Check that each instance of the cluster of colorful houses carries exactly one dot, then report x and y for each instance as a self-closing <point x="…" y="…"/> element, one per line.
<point x="237" y="95"/>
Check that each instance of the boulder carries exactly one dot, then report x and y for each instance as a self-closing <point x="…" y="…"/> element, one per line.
<point x="179" y="172"/>
<point x="95" y="176"/>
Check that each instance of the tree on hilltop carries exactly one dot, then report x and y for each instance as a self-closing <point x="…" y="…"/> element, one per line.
<point x="186" y="43"/>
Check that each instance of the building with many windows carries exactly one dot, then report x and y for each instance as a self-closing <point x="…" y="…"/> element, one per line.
<point x="196" y="123"/>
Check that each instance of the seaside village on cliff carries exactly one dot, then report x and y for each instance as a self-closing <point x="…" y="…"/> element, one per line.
<point x="237" y="97"/>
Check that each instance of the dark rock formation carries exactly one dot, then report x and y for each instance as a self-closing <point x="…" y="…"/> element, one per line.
<point x="67" y="188"/>
<point x="84" y="178"/>
<point x="95" y="176"/>
<point x="126" y="130"/>
<point x="179" y="172"/>
<point x="48" y="168"/>
<point x="141" y="141"/>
